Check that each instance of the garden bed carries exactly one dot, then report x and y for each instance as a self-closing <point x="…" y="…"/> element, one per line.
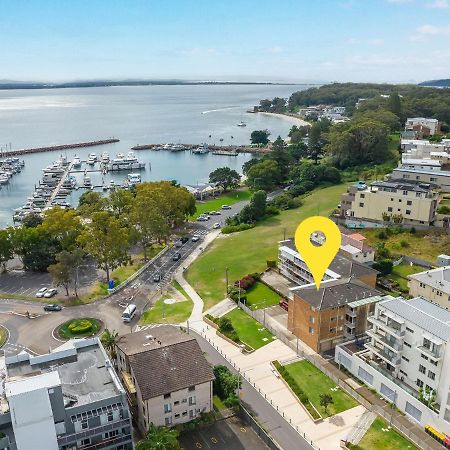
<point x="79" y="328"/>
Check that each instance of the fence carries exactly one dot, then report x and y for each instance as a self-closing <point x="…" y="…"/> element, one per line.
<point x="291" y="340"/>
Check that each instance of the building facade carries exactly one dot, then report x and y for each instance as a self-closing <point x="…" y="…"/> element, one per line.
<point x="423" y="125"/>
<point x="398" y="201"/>
<point x="166" y="376"/>
<point x="407" y="358"/>
<point x="68" y="399"/>
<point x="433" y="284"/>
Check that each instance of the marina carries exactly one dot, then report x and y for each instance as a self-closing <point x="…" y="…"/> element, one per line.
<point x="203" y="148"/>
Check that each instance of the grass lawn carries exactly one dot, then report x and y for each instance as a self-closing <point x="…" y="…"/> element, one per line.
<point x="162" y="313"/>
<point x="215" y="204"/>
<point x="178" y="287"/>
<point x="422" y="244"/>
<point x="313" y="382"/>
<point x="247" y="251"/>
<point x="218" y="404"/>
<point x="65" y="332"/>
<point x="3" y="336"/>
<point x="249" y="331"/>
<point x="380" y="437"/>
<point x="400" y="272"/>
<point x="261" y="296"/>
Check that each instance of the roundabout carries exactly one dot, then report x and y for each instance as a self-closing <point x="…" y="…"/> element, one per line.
<point x="78" y="328"/>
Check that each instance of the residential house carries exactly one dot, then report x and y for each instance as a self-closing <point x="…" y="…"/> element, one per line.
<point x="166" y="376"/>
<point x="68" y="399"/>
<point x="406" y="359"/>
<point x="422" y="125"/>
<point x="433" y="284"/>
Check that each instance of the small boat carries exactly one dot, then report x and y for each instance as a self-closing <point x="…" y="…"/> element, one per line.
<point x="105" y="157"/>
<point x="133" y="179"/>
<point x="241" y="124"/>
<point x="87" y="182"/>
<point x="112" y="185"/>
<point x="76" y="162"/>
<point x="92" y="159"/>
<point x="201" y="149"/>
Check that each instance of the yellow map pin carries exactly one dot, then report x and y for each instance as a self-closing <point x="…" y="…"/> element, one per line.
<point x="317" y="258"/>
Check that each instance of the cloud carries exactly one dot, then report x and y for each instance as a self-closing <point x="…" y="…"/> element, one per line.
<point x="428" y="31"/>
<point x="376" y="41"/>
<point x="438" y="4"/>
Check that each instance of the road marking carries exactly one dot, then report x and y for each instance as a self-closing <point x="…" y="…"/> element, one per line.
<point x="243" y="430"/>
<point x="198" y="445"/>
<point x="214" y="440"/>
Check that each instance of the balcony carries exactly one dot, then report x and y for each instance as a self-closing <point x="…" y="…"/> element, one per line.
<point x="430" y="353"/>
<point x="391" y="327"/>
<point x="394" y="360"/>
<point x="351" y="312"/>
<point x="393" y="344"/>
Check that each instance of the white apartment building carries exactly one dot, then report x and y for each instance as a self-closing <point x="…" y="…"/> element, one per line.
<point x="406" y="359"/>
<point x="433" y="284"/>
<point x="431" y="124"/>
<point x="166" y="376"/>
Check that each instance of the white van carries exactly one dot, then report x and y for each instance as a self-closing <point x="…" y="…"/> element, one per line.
<point x="128" y="313"/>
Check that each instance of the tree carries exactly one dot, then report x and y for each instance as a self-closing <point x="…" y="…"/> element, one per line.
<point x="31" y="220"/>
<point x="251" y="162"/>
<point x="278" y="105"/>
<point x="121" y="201"/>
<point x="264" y="105"/>
<point x="65" y="270"/>
<point x="225" y="383"/>
<point x="109" y="340"/>
<point x="107" y="241"/>
<point x="225" y="177"/>
<point x="384" y="266"/>
<point x="91" y="202"/>
<point x="381" y="115"/>
<point x="316" y="139"/>
<point x="325" y="401"/>
<point x="280" y="154"/>
<point x="6" y="248"/>
<point x="258" y="203"/>
<point x="159" y="438"/>
<point x="260" y="137"/>
<point x="395" y="104"/>
<point x="263" y="175"/>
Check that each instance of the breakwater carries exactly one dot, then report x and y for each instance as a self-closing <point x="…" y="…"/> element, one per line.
<point x="215" y="149"/>
<point x="25" y="151"/>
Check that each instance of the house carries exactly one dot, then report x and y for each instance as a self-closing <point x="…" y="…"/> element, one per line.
<point x="203" y="190"/>
<point x="67" y="399"/>
<point x="325" y="317"/>
<point x="399" y="201"/>
<point x="406" y="359"/>
<point x="422" y="125"/>
<point x="166" y="376"/>
<point x="292" y="266"/>
<point x="433" y="284"/>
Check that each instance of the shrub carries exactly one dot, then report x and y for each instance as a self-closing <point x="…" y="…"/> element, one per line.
<point x="271" y="263"/>
<point x="80" y="326"/>
<point x="228" y="229"/>
<point x="272" y="211"/>
<point x="384" y="266"/>
<point x="235" y="295"/>
<point x="382" y="234"/>
<point x="256" y="276"/>
<point x="225" y="325"/>
<point x="404" y="243"/>
<point x="443" y="210"/>
<point x="412" y="230"/>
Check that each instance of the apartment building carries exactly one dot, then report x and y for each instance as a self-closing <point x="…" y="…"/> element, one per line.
<point x="422" y="125"/>
<point x="402" y="201"/>
<point x="433" y="284"/>
<point x="167" y="378"/>
<point x="68" y="399"/>
<point x="439" y="178"/>
<point x="337" y="311"/>
<point x="407" y="358"/>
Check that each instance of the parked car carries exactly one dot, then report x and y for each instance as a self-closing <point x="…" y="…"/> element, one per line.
<point x="216" y="226"/>
<point x="201" y="219"/>
<point x="215" y="213"/>
<point x="206" y="217"/>
<point x="176" y="256"/>
<point x="40" y="293"/>
<point x="178" y="243"/>
<point x="284" y="304"/>
<point x="50" y="293"/>
<point x="156" y="277"/>
<point x="226" y="207"/>
<point x="52" y="307"/>
<point x="184" y="239"/>
<point x="195" y="238"/>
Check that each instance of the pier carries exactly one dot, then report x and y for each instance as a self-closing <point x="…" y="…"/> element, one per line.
<point x="59" y="185"/>
<point x="226" y="150"/>
<point x="26" y="151"/>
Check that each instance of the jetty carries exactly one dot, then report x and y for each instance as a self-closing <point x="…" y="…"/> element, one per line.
<point x="59" y="185"/>
<point x="25" y="151"/>
<point x="225" y="150"/>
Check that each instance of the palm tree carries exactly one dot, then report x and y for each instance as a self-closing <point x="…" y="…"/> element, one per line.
<point x="159" y="438"/>
<point x="109" y="340"/>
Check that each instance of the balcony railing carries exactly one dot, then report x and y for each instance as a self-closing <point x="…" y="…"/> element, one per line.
<point x="430" y="353"/>
<point x="391" y="343"/>
<point x="389" y="327"/>
<point x="391" y="359"/>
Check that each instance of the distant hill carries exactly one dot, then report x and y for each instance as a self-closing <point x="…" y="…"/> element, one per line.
<point x="436" y="83"/>
<point x="9" y="84"/>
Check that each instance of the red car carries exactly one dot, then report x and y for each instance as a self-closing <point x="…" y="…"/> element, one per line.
<point x="284" y="304"/>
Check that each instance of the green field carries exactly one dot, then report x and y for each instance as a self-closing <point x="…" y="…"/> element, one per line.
<point x="422" y="244"/>
<point x="400" y="272"/>
<point x="380" y="437"/>
<point x="215" y="204"/>
<point x="249" y="331"/>
<point x="162" y="313"/>
<point x="313" y="382"/>
<point x="261" y="296"/>
<point x="247" y="251"/>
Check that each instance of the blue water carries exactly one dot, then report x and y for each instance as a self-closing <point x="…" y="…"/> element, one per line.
<point x="135" y="115"/>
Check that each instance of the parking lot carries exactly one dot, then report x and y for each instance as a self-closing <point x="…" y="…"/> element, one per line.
<point x="227" y="434"/>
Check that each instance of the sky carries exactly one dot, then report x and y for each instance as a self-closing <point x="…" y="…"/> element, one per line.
<point x="252" y="40"/>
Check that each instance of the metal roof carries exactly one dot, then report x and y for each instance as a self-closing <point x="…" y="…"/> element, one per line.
<point x="368" y="300"/>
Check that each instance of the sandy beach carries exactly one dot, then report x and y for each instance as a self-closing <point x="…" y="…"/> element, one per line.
<point x="294" y="120"/>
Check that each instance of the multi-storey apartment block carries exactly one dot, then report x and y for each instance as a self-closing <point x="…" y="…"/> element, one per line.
<point x="433" y="284"/>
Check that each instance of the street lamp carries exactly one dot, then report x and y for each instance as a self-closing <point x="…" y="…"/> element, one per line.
<point x="226" y="279"/>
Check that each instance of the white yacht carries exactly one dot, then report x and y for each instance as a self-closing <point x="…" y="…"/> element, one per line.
<point x="87" y="182"/>
<point x="92" y="159"/>
<point x="129" y="162"/>
<point x="201" y="149"/>
<point x="133" y="179"/>
<point x="105" y="157"/>
<point x="76" y="162"/>
<point x="241" y="124"/>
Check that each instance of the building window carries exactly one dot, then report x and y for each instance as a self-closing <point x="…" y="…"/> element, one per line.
<point x="431" y="375"/>
<point x="435" y="363"/>
<point x="419" y="382"/>
<point x="177" y="416"/>
<point x="361" y="205"/>
<point x="408" y="212"/>
<point x="167" y="408"/>
<point x="176" y="403"/>
<point x="405" y="192"/>
<point x="191" y="388"/>
<point x="332" y="330"/>
<point x="184" y="413"/>
<point x="191" y="413"/>
<point x="110" y="416"/>
<point x="403" y="372"/>
<point x="111" y="434"/>
<point x="84" y="425"/>
<point x="405" y="358"/>
<point x="311" y="319"/>
<point x="166" y="395"/>
<point x="389" y="209"/>
<point x="409" y="202"/>
<point x="192" y="400"/>
<point x="409" y="330"/>
<point x="417" y="194"/>
<point x="311" y="330"/>
<point x="168" y="421"/>
<point x="422" y="369"/>
<point x="85" y="442"/>
<point x="425" y="357"/>
<point x="407" y="345"/>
